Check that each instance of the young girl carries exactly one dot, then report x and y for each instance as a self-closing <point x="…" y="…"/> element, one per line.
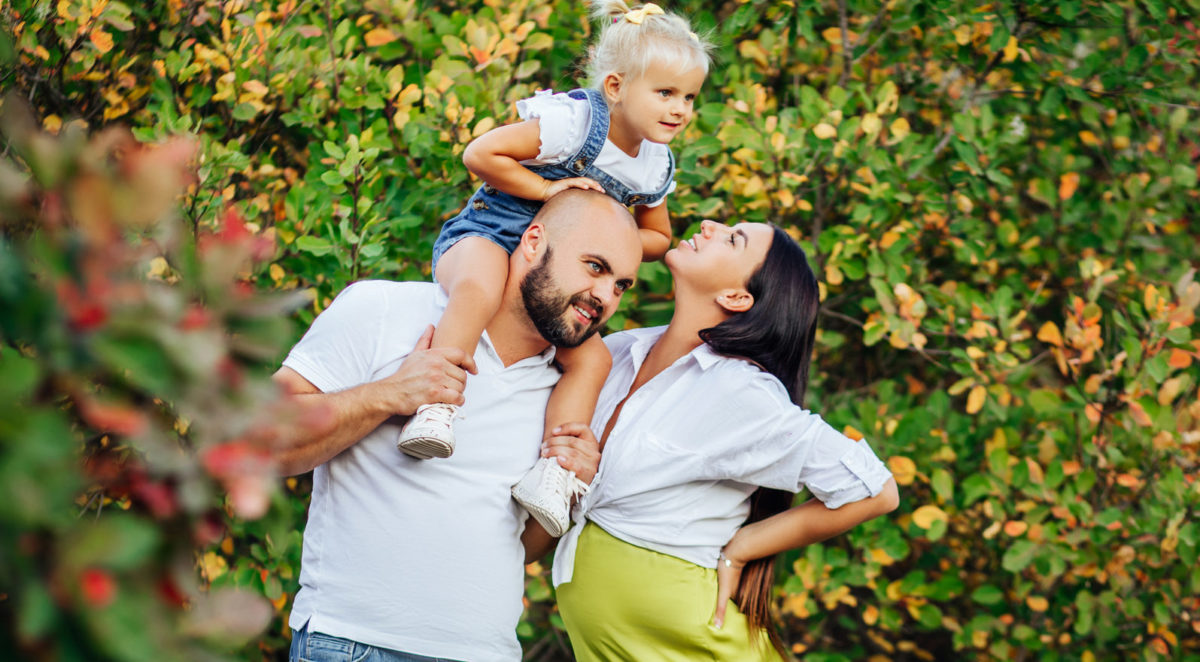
<point x="646" y="70"/>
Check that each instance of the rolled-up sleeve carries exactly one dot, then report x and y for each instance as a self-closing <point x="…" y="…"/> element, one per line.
<point x="839" y="470"/>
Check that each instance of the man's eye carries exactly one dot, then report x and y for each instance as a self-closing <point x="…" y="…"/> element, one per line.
<point x="595" y="266"/>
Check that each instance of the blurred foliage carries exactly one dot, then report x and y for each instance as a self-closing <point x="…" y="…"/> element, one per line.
<point x="1001" y="199"/>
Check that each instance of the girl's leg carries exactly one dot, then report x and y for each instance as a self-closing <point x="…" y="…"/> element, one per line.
<point x="473" y="272"/>
<point x="574" y="398"/>
<point x="547" y="490"/>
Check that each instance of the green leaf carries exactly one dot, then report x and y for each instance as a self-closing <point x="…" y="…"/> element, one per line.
<point x="988" y="595"/>
<point x="314" y="245"/>
<point x="1018" y="556"/>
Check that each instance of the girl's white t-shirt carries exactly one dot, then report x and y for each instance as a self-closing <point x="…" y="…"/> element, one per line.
<point x="563" y="124"/>
<point x="692" y="444"/>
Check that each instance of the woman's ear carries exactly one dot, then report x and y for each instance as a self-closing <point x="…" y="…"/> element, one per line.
<point x="735" y="300"/>
<point x="612" y="87"/>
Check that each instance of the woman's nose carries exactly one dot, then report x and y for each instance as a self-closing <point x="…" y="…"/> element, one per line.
<point x="707" y="228"/>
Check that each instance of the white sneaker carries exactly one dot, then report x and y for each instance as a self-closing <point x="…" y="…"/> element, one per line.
<point x="430" y="431"/>
<point x="546" y="492"/>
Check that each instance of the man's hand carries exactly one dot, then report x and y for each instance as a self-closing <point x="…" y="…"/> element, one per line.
<point x="427" y="376"/>
<point x="575" y="448"/>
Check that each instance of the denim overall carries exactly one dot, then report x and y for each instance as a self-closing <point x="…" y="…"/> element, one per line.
<point x="502" y="218"/>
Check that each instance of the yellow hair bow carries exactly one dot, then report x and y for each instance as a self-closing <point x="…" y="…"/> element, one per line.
<point x="636" y="16"/>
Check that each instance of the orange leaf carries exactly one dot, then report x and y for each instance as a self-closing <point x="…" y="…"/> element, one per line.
<point x="1037" y="603"/>
<point x="1015" y="528"/>
<point x="1049" y="333"/>
<point x="101" y="40"/>
<point x="904" y="469"/>
<point x="1139" y="414"/>
<point x="1067" y="184"/>
<point x="925" y="516"/>
<point x="1071" y="467"/>
<point x="378" y="37"/>
<point x="852" y="432"/>
<point x="1179" y="359"/>
<point x="1128" y="480"/>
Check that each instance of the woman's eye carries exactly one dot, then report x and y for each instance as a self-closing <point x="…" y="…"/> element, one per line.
<point x="733" y="240"/>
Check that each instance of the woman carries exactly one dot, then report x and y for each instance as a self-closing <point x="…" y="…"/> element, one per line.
<point x="703" y="445"/>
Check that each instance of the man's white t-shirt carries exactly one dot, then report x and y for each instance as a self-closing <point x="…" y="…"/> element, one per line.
<point x="418" y="556"/>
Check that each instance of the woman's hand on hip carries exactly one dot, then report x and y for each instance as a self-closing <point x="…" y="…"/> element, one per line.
<point x="729" y="575"/>
<point x="575" y="448"/>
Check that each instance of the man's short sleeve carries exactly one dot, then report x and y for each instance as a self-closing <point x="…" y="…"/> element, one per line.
<point x="338" y="351"/>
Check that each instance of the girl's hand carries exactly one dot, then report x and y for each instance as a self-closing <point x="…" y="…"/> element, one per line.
<point x="729" y="575"/>
<point x="558" y="185"/>
<point x="575" y="448"/>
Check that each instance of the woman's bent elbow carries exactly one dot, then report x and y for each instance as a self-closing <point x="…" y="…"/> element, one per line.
<point x="889" y="497"/>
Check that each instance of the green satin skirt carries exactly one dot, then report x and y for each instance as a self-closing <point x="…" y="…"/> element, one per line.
<point x="626" y="602"/>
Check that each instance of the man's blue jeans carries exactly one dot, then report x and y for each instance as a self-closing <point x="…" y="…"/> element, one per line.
<point x="316" y="647"/>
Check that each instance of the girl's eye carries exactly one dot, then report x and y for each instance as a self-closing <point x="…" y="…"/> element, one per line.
<point x="690" y="97"/>
<point x="664" y="93"/>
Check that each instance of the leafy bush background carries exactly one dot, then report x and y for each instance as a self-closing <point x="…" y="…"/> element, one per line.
<point x="1001" y="199"/>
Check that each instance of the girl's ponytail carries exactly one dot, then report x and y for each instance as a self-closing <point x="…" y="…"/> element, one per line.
<point x="607" y="11"/>
<point x="634" y="38"/>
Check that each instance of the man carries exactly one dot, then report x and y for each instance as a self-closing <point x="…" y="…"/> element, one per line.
<point x="423" y="559"/>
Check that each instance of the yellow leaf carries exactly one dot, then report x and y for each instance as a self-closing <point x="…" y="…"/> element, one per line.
<point x="852" y="432"/>
<point x="871" y="124"/>
<point x="834" y="36"/>
<point x="804" y="205"/>
<point x="213" y="565"/>
<point x="925" y="516"/>
<point x="256" y="88"/>
<point x="975" y="398"/>
<point x="1037" y="603"/>
<point x="903" y="469"/>
<point x="824" y="131"/>
<point x="1067" y="184"/>
<point x="833" y="275"/>
<point x="64" y="10"/>
<point x="277" y="273"/>
<point x="974" y="353"/>
<point x="101" y="40"/>
<point x="1049" y="334"/>
<point x="1088" y="138"/>
<point x="378" y="37"/>
<point x="1010" y="50"/>
<point x="899" y="129"/>
<point x="870" y="615"/>
<point x="483" y="126"/>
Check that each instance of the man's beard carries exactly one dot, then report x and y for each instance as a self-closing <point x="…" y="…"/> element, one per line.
<point x="548" y="308"/>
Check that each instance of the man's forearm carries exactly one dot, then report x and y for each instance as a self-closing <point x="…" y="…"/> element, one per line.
<point x="327" y="424"/>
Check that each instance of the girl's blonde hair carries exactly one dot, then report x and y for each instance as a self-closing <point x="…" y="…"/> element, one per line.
<point x="631" y="39"/>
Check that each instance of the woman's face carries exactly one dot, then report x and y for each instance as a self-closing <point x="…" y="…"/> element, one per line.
<point x="719" y="257"/>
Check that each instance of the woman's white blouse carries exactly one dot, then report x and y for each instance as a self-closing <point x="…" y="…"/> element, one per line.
<point x="563" y="125"/>
<point x="694" y="442"/>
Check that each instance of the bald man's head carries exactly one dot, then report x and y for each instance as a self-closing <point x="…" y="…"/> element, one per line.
<point x="566" y="210"/>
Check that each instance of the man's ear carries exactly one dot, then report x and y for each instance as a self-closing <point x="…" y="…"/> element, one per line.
<point x="612" y="87"/>
<point x="533" y="242"/>
<point x="735" y="300"/>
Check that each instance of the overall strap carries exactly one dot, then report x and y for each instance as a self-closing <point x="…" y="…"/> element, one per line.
<point x="597" y="131"/>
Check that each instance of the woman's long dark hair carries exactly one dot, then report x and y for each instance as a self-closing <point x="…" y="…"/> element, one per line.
<point x="777" y="333"/>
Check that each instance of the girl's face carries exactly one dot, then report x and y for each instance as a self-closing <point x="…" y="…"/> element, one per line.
<point x="657" y="105"/>
<point x="719" y="257"/>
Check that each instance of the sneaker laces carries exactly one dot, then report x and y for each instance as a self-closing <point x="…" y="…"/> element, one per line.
<point x="441" y="413"/>
<point x="574" y="487"/>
